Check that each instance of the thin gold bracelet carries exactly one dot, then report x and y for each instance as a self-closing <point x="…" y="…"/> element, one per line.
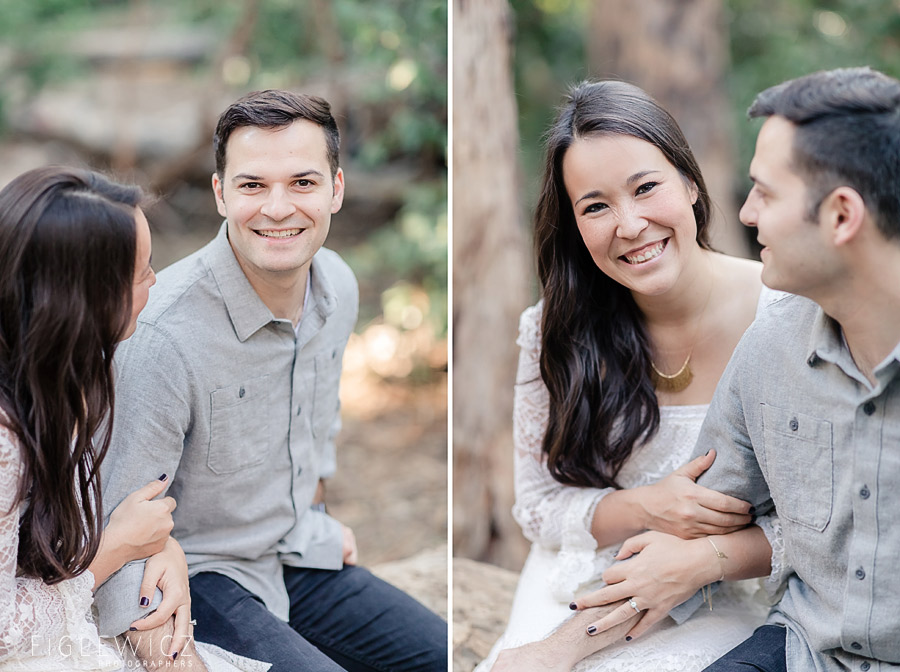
<point x="706" y="591"/>
<point x="720" y="555"/>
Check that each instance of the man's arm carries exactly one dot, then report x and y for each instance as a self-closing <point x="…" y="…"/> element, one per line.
<point x="152" y="414"/>
<point x="565" y="646"/>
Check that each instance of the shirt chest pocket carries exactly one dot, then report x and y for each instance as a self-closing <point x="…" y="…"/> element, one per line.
<point x="239" y="435"/>
<point x="326" y="403"/>
<point x="800" y="466"/>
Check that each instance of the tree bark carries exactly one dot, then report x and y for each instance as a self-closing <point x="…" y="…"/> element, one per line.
<point x="491" y="276"/>
<point x="677" y="50"/>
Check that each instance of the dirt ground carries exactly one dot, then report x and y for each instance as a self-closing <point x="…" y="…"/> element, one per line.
<point x="391" y="481"/>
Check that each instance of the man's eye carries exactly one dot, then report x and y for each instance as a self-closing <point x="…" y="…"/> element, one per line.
<point x="645" y="188"/>
<point x="595" y="207"/>
<point x="251" y="185"/>
<point x="304" y="183"/>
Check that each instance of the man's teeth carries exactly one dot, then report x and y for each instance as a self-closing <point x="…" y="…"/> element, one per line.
<point x="648" y="254"/>
<point x="286" y="233"/>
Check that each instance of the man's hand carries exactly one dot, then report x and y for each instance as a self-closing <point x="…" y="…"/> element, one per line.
<point x="351" y="555"/>
<point x="565" y="646"/>
<point x="677" y="505"/>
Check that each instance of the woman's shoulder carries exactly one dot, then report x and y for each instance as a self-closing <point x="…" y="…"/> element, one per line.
<point x="742" y="279"/>
<point x="530" y="326"/>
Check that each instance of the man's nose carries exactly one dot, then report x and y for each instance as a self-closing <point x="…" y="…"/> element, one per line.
<point x="747" y="213"/>
<point x="278" y="205"/>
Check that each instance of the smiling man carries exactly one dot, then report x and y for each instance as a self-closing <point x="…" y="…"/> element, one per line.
<point x="230" y="386"/>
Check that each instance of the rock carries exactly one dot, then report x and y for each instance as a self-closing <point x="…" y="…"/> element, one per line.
<point x="424" y="576"/>
<point x="482" y="598"/>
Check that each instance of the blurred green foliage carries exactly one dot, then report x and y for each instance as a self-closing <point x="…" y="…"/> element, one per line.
<point x="771" y="41"/>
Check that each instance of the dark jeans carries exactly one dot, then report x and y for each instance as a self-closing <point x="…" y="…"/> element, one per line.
<point x="763" y="651"/>
<point x="339" y="620"/>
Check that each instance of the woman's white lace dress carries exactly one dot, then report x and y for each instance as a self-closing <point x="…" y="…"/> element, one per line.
<point x="49" y="628"/>
<point x="564" y="560"/>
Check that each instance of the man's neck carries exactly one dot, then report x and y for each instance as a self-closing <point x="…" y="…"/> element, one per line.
<point x="282" y="293"/>
<point x="868" y="309"/>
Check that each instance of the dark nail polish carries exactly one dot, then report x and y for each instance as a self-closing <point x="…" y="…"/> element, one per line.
<point x="145" y="602"/>
<point x="132" y="629"/>
<point x="573" y="606"/>
<point x="628" y="638"/>
<point x="591" y="630"/>
<point x="163" y="477"/>
<point x="175" y="655"/>
<point x="752" y="510"/>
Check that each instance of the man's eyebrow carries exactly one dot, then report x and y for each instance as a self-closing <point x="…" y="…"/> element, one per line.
<point x="758" y="182"/>
<point x="242" y="177"/>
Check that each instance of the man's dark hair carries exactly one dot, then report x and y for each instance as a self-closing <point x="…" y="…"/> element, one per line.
<point x="847" y="133"/>
<point x="276" y="109"/>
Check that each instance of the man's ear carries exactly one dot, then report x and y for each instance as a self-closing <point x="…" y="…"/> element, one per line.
<point x="217" y="191"/>
<point x="337" y="199"/>
<point x="843" y="211"/>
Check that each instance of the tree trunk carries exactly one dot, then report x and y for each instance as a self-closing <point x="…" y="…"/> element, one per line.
<point x="677" y="50"/>
<point x="491" y="276"/>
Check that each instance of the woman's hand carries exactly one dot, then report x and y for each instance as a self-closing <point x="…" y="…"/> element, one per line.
<point x="168" y="570"/>
<point x="662" y="571"/>
<point x="677" y="505"/>
<point x="140" y="525"/>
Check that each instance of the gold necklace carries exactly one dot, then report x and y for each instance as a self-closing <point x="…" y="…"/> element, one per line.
<point x="678" y="381"/>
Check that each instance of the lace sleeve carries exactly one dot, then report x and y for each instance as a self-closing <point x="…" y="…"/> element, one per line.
<point x="775" y="582"/>
<point x="551" y="514"/>
<point x="31" y="612"/>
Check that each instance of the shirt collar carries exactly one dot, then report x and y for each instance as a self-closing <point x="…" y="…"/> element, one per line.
<point x="246" y="310"/>
<point x="827" y="343"/>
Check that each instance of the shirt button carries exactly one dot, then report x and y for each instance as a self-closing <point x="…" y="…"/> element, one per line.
<point x="869" y="408"/>
<point x="298" y="410"/>
<point x="241" y="392"/>
<point x="299" y="470"/>
<point x="860" y="573"/>
<point x="813" y="359"/>
<point x="864" y="493"/>
<point x="865" y="666"/>
<point x="855" y="645"/>
<point x="794" y="424"/>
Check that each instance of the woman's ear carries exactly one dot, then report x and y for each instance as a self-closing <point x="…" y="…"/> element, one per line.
<point x="693" y="189"/>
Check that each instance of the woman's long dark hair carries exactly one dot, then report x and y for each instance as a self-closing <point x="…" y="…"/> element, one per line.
<point x="595" y="350"/>
<point x="67" y="255"/>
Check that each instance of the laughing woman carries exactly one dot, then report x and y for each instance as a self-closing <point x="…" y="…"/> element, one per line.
<point x="618" y="363"/>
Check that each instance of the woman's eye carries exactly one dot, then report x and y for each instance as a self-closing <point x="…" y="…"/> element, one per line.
<point x="645" y="188"/>
<point x="595" y="207"/>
